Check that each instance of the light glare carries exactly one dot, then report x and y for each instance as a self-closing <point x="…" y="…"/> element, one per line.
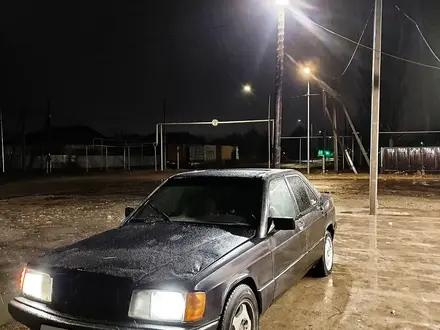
<point x="282" y="3"/>
<point x="247" y="88"/>
<point x="307" y="70"/>
<point x="157" y="305"/>
<point x="37" y="285"/>
<point x="167" y="305"/>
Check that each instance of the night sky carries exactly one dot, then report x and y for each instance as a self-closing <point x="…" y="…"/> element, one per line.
<point x="110" y="64"/>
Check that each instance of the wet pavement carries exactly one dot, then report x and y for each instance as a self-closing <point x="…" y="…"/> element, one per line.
<point x="385" y="277"/>
<point x="386" y="272"/>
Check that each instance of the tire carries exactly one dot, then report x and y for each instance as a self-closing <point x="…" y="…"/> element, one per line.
<point x="324" y="266"/>
<point x="241" y="308"/>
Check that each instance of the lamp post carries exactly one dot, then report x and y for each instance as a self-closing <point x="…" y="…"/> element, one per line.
<point x="307" y="72"/>
<point x="247" y="89"/>
<point x="281" y="4"/>
<point x="299" y="122"/>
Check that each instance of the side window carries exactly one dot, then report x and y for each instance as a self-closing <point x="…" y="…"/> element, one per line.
<point x="311" y="194"/>
<point x="281" y="203"/>
<point x="300" y="192"/>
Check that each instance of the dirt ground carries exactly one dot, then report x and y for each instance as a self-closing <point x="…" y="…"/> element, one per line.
<point x="386" y="272"/>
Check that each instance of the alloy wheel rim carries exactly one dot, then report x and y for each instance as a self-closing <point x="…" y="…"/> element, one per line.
<point x="328" y="253"/>
<point x="242" y="318"/>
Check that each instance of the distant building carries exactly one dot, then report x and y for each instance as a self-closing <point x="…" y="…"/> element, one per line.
<point x="57" y="141"/>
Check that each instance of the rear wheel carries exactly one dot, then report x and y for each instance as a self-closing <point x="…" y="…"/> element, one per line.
<point x="241" y="310"/>
<point x="324" y="266"/>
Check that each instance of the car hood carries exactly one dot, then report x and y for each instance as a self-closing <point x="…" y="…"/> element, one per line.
<point x="150" y="251"/>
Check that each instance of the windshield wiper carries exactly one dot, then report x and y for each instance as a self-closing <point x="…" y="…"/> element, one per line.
<point x="217" y="223"/>
<point x="163" y="214"/>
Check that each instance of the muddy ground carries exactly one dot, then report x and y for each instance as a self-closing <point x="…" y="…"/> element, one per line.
<point x="386" y="273"/>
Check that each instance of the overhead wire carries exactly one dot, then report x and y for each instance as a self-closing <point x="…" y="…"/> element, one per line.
<point x="357" y="45"/>
<point x="371" y="48"/>
<point x="420" y="31"/>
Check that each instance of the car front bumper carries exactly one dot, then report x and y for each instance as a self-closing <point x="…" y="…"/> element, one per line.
<point x="33" y="315"/>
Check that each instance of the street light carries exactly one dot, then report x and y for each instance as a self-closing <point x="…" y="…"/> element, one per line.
<point x="247" y="89"/>
<point x="307" y="71"/>
<point x="281" y="4"/>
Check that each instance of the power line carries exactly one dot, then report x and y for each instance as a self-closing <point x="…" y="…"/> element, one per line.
<point x="420" y="31"/>
<point x="370" y="48"/>
<point x="357" y="45"/>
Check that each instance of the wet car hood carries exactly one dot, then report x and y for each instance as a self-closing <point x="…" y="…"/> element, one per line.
<point x="149" y="251"/>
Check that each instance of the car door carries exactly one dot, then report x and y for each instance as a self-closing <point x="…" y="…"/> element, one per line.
<point x="312" y="215"/>
<point x="288" y="246"/>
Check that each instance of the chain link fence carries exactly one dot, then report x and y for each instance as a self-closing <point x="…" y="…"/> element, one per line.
<point x="125" y="157"/>
<point x="84" y="158"/>
<point x="294" y="149"/>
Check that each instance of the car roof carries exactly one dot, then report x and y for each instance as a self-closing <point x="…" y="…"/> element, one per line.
<point x="249" y="173"/>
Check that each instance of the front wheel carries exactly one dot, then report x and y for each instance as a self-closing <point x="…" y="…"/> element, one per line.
<point x="324" y="266"/>
<point x="241" y="310"/>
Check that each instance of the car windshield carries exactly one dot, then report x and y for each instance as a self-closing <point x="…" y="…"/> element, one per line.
<point x="207" y="200"/>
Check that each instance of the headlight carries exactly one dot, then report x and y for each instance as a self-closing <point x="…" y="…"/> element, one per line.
<point x="36" y="285"/>
<point x="167" y="305"/>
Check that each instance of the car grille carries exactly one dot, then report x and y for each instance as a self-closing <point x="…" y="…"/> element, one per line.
<point x="91" y="295"/>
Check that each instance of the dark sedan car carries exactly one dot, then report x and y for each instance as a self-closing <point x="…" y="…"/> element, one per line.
<point x="206" y="250"/>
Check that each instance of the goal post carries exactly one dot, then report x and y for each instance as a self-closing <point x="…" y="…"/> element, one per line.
<point x="214" y="123"/>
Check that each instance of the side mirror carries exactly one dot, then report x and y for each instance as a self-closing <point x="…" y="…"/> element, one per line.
<point x="283" y="223"/>
<point x="128" y="211"/>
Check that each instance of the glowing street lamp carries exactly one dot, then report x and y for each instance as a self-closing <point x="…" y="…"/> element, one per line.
<point x="282" y="3"/>
<point x="247" y="89"/>
<point x="307" y="70"/>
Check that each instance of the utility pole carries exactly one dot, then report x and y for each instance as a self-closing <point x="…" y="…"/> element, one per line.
<point x="164" y="151"/>
<point x="48" y="151"/>
<point x="335" y="133"/>
<point x="324" y="132"/>
<point x="375" y="105"/>
<point x="356" y="135"/>
<point x="2" y="141"/>
<point x="269" y="142"/>
<point x="335" y="139"/>
<point x="308" y="126"/>
<point x="279" y="85"/>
